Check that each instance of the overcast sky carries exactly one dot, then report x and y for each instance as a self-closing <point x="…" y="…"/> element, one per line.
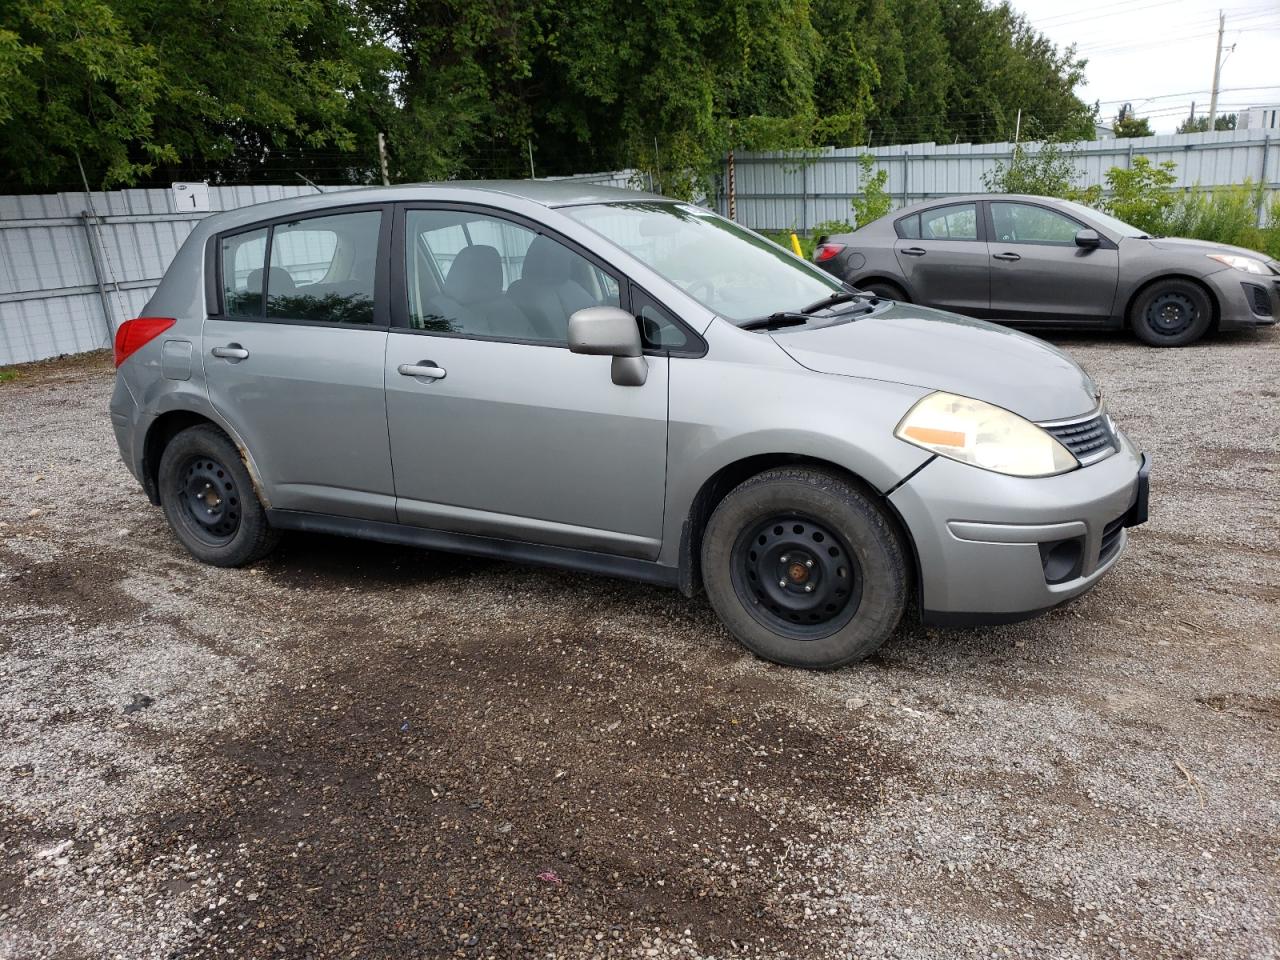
<point x="1158" y="54"/>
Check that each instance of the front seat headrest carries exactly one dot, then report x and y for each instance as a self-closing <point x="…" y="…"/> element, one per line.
<point x="475" y="275"/>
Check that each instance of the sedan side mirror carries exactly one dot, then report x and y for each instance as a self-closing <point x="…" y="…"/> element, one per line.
<point x="1088" y="239"/>
<point x="610" y="332"/>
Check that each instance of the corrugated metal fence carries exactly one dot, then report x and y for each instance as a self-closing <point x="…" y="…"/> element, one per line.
<point x="777" y="191"/>
<point x="74" y="266"/>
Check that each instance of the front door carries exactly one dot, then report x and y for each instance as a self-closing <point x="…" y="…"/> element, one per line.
<point x="943" y="259"/>
<point x="1038" y="274"/>
<point x="496" y="428"/>
<point x="293" y="360"/>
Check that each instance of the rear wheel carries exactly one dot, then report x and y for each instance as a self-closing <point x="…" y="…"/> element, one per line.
<point x="209" y="500"/>
<point x="804" y="569"/>
<point x="885" y="289"/>
<point x="1171" y="313"/>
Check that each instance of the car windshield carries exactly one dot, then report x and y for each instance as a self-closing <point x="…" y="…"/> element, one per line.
<point x="1106" y="221"/>
<point x="728" y="269"/>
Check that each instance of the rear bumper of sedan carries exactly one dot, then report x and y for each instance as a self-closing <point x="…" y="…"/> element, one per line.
<point x="996" y="549"/>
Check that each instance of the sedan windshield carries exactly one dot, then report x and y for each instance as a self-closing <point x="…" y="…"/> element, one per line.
<point x="1106" y="221"/>
<point x="727" y="269"/>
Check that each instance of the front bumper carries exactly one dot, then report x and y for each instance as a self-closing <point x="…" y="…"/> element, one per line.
<point x="1245" y="300"/>
<point x="985" y="543"/>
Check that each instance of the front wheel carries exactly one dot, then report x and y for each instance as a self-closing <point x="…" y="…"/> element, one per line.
<point x="804" y="569"/>
<point x="209" y="500"/>
<point x="1171" y="313"/>
<point x="885" y="290"/>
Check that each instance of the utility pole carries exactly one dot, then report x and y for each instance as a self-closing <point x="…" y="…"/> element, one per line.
<point x="529" y="143"/>
<point x="1217" y="72"/>
<point x="1017" y="130"/>
<point x="382" y="160"/>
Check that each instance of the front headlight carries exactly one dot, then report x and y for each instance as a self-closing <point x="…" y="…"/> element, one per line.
<point x="1247" y="264"/>
<point x="984" y="436"/>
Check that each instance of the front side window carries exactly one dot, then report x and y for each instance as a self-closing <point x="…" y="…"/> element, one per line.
<point x="729" y="270"/>
<point x="956" y="222"/>
<point x="1027" y="223"/>
<point x="323" y="268"/>
<point x="482" y="276"/>
<point x="243" y="257"/>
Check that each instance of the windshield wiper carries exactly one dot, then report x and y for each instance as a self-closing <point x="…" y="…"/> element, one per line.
<point x="784" y="318"/>
<point x="840" y="296"/>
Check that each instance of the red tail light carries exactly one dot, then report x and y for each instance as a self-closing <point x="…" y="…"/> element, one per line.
<point x="135" y="334"/>
<point x="826" y="251"/>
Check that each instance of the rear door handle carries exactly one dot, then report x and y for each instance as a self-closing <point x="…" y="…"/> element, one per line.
<point x="232" y="351"/>
<point x="424" y="369"/>
<point x="915" y="251"/>
<point x="1010" y="257"/>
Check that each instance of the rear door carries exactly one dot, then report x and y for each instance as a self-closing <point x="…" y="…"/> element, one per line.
<point x="1039" y="275"/>
<point x="293" y="358"/>
<point x="496" y="428"/>
<point x="943" y="257"/>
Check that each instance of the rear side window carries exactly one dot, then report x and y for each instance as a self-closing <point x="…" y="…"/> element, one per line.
<point x="957" y="222"/>
<point x="243" y="257"/>
<point x="909" y="227"/>
<point x="321" y="270"/>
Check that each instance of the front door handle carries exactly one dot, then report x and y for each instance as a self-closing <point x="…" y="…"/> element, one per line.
<point x="1010" y="257"/>
<point x="232" y="351"/>
<point x="425" y="370"/>
<point x="915" y="251"/>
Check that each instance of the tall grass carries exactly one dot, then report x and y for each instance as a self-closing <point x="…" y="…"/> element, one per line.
<point x="1226" y="215"/>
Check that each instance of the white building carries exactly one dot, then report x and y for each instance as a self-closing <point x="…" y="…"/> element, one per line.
<point x="1260" y="118"/>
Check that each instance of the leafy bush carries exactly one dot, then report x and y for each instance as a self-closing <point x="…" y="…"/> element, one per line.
<point x="875" y="201"/>
<point x="1141" y="194"/>
<point x="1050" y="171"/>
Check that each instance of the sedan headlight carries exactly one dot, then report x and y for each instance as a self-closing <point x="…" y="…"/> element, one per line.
<point x="1247" y="264"/>
<point x="983" y="435"/>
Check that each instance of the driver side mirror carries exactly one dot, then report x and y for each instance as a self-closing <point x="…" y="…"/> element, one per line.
<point x="610" y="332"/>
<point x="1088" y="239"/>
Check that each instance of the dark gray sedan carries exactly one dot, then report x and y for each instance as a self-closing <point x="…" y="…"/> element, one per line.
<point x="1053" y="263"/>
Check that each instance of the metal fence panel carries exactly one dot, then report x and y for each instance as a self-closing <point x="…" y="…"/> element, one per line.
<point x="779" y="191"/>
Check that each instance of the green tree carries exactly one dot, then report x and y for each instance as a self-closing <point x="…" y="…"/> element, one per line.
<point x="1224" y="121"/>
<point x="875" y="201"/>
<point x="1127" y="126"/>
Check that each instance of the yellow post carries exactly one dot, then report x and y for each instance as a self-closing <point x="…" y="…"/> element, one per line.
<point x="795" y="245"/>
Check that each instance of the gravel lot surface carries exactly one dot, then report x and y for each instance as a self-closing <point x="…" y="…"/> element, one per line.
<point x="355" y="750"/>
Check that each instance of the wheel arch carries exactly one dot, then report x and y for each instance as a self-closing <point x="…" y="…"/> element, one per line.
<point x="1149" y="282"/>
<point x="716" y="487"/>
<point x="167" y="426"/>
<point x="881" y="278"/>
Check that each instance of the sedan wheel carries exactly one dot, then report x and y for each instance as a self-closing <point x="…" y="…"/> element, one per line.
<point x="1171" y="313"/>
<point x="805" y="568"/>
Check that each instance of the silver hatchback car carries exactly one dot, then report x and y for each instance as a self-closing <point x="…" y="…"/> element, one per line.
<point x="617" y="383"/>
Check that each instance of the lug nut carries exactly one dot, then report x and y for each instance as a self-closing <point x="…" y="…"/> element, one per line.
<point x="808" y="563"/>
<point x="784" y="558"/>
<point x="782" y="583"/>
<point x="808" y="588"/>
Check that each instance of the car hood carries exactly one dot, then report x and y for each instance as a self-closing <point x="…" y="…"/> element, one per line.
<point x="1185" y="245"/>
<point x="944" y="351"/>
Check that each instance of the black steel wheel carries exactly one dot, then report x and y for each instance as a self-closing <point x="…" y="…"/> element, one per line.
<point x="796" y="576"/>
<point x="209" y="499"/>
<point x="805" y="567"/>
<point x="1171" y="313"/>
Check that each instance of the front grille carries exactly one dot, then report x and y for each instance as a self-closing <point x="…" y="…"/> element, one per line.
<point x="1259" y="301"/>
<point x="1088" y="440"/>
<point x="1110" y="539"/>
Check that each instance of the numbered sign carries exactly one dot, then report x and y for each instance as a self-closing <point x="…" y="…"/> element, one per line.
<point x="190" y="197"/>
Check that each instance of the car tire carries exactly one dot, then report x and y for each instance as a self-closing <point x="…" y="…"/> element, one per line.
<point x="1171" y="313"/>
<point x="792" y="527"/>
<point x="209" y="499"/>
<point x="885" y="289"/>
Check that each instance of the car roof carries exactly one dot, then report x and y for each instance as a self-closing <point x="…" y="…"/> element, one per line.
<point x="545" y="193"/>
<point x="971" y="198"/>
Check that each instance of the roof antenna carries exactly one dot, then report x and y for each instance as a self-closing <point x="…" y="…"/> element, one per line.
<point x="311" y="182"/>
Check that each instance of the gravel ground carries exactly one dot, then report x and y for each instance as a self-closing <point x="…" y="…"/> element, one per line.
<point x="353" y="750"/>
